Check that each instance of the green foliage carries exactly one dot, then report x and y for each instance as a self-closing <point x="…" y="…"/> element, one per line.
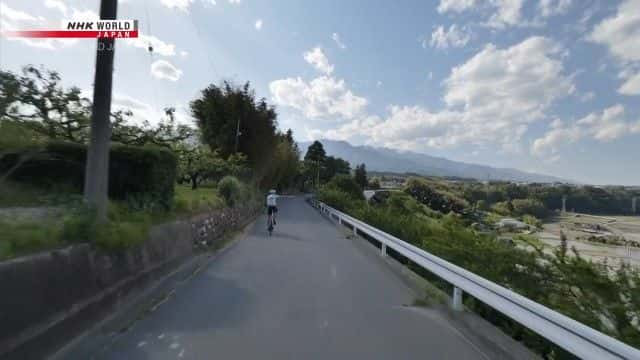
<point x="21" y="237"/>
<point x="117" y="236"/>
<point x="315" y="153"/>
<point x="437" y="199"/>
<point x="222" y="110"/>
<point x="190" y="201"/>
<point x="17" y="135"/>
<point x="142" y="175"/>
<point x="587" y="199"/>
<point x="532" y="220"/>
<point x="231" y="190"/>
<point x="529" y="207"/>
<point x="503" y="208"/>
<point x="60" y="113"/>
<point x="347" y="185"/>
<point x="360" y="176"/>
<point x="317" y="166"/>
<point x="374" y="183"/>
<point x="337" y="198"/>
<point x="585" y="291"/>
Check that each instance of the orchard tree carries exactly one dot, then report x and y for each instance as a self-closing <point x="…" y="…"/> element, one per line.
<point x="37" y="97"/>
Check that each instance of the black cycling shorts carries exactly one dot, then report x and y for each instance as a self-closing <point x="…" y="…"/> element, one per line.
<point x="272" y="209"/>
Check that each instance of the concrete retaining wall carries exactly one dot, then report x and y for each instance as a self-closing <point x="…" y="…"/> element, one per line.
<point x="47" y="298"/>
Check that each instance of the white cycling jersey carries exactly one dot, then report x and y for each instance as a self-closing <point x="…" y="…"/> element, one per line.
<point x="272" y="200"/>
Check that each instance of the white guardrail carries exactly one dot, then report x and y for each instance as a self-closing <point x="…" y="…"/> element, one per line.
<point x="567" y="333"/>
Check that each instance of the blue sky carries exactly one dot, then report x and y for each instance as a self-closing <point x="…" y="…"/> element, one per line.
<point x="550" y="86"/>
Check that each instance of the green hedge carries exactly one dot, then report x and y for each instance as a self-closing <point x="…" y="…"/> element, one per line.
<point x="138" y="174"/>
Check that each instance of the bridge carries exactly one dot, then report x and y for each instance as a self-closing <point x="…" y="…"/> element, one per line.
<point x="313" y="291"/>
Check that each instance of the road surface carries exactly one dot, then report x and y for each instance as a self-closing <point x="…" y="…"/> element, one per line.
<point x="306" y="292"/>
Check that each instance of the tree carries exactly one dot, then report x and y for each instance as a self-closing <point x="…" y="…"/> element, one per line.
<point x="166" y="134"/>
<point x="334" y="166"/>
<point x="360" y="175"/>
<point x="195" y="164"/>
<point x="38" y="98"/>
<point x="221" y="110"/>
<point x="314" y="162"/>
<point x="315" y="153"/>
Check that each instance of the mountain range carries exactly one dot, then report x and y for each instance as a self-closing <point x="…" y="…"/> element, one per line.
<point x="389" y="160"/>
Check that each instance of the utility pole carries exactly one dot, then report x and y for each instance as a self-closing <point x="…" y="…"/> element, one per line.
<point x="237" y="135"/>
<point x="317" y="175"/>
<point x="96" y="180"/>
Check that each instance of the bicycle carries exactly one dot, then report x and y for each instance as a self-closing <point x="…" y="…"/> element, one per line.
<point x="271" y="221"/>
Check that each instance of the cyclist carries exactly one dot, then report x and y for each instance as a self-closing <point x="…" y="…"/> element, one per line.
<point x="272" y="207"/>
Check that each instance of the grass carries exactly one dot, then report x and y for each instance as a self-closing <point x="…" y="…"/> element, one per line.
<point x="125" y="227"/>
<point x="188" y="201"/>
<point x="19" y="195"/>
<point x="19" y="238"/>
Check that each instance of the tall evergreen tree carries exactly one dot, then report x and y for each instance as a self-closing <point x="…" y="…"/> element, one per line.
<point x="360" y="175"/>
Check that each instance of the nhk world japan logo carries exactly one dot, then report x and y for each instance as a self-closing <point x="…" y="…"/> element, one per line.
<point x="83" y="29"/>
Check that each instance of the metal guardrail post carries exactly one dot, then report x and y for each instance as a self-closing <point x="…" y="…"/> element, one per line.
<point x="457" y="299"/>
<point x="383" y="250"/>
<point x="355" y="230"/>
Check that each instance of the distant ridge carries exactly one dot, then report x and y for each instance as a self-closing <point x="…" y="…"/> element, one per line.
<point x="383" y="159"/>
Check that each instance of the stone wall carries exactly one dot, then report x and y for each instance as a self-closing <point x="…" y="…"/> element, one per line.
<point x="47" y="298"/>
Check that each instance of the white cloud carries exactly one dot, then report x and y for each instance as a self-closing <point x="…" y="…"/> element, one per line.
<point x="182" y="5"/>
<point x="338" y="41"/>
<point x="430" y="75"/>
<point x="84" y="15"/>
<point x="455" y="5"/>
<point x="490" y="99"/>
<point x="143" y="112"/>
<point x="184" y="54"/>
<point x="258" y="24"/>
<point x="587" y="96"/>
<point x="10" y="14"/>
<point x="621" y="34"/>
<point x="236" y="2"/>
<point x="162" y="69"/>
<point x="509" y="12"/>
<point x="631" y="85"/>
<point x="322" y="97"/>
<point x="525" y="78"/>
<point x="159" y="47"/>
<point x="553" y="7"/>
<point x="318" y="59"/>
<point x="503" y="13"/>
<point x="12" y="19"/>
<point x="606" y="126"/>
<point x="441" y="38"/>
<point x="56" y="4"/>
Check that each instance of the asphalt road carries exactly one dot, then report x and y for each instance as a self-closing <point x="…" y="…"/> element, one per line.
<point x="306" y="292"/>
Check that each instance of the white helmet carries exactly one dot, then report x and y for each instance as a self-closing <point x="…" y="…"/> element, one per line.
<point x="272" y="191"/>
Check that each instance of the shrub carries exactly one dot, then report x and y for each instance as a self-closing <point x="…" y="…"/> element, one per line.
<point x="115" y="236"/>
<point x="502" y="208"/>
<point x="436" y="199"/>
<point x="79" y="227"/>
<point x="532" y="220"/>
<point x="231" y="190"/>
<point x="347" y="185"/>
<point x="530" y="207"/>
<point x="337" y="198"/>
<point x="145" y="175"/>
